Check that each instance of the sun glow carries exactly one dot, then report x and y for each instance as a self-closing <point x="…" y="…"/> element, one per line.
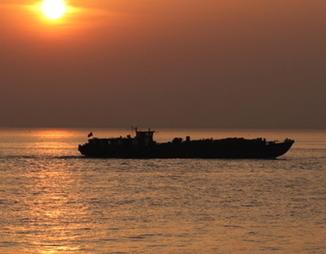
<point x="54" y="9"/>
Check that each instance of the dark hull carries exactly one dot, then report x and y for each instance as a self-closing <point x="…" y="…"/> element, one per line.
<point x="188" y="150"/>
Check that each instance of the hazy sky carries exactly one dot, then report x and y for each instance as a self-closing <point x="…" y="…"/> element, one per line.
<point x="165" y="63"/>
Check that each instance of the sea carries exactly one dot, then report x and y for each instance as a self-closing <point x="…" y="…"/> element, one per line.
<point x="52" y="200"/>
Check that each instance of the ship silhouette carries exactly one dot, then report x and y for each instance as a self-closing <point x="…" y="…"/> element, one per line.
<point x="143" y="146"/>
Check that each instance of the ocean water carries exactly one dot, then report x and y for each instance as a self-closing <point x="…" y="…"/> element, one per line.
<point x="52" y="200"/>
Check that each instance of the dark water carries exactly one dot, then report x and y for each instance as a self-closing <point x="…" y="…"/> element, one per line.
<point x="54" y="201"/>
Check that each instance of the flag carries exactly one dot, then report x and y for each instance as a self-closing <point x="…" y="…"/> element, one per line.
<point x="90" y="134"/>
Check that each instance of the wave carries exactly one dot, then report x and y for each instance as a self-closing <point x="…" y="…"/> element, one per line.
<point x="65" y="157"/>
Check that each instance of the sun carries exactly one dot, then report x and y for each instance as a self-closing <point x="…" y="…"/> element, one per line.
<point x="54" y="9"/>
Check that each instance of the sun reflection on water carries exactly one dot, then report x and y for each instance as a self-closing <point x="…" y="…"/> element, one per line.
<point x="53" y="204"/>
<point x="52" y="133"/>
<point x="53" y="212"/>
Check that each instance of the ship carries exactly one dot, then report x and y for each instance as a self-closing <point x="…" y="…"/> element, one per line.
<point x="143" y="146"/>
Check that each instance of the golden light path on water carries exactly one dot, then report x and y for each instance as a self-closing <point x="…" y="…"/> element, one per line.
<point x="54" y="201"/>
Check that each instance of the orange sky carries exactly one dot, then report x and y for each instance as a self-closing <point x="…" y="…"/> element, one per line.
<point x="171" y="63"/>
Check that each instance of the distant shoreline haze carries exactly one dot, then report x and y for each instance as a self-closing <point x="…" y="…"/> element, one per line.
<point x="158" y="129"/>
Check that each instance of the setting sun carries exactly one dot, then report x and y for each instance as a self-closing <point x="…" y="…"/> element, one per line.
<point x="54" y="9"/>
